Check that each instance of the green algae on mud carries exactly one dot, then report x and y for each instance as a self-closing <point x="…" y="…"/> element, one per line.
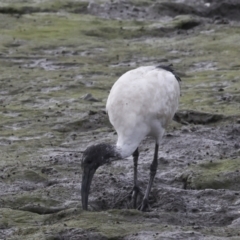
<point x="112" y="224"/>
<point x="199" y="83"/>
<point x="222" y="174"/>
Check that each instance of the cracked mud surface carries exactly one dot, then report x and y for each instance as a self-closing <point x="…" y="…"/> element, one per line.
<point x="58" y="62"/>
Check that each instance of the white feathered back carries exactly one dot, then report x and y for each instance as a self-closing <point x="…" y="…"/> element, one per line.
<point x="142" y="102"/>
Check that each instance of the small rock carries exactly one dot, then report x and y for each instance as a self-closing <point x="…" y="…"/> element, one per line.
<point x="185" y="130"/>
<point x="237" y="145"/>
<point x="91" y="112"/>
<point x="236" y="223"/>
<point x="89" y="97"/>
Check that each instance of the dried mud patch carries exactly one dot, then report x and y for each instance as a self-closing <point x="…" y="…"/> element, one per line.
<point x="42" y="63"/>
<point x="163" y="9"/>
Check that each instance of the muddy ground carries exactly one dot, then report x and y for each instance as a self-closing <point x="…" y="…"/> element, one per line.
<point x="58" y="61"/>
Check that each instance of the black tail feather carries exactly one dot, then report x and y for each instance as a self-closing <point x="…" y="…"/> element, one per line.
<point x="170" y="69"/>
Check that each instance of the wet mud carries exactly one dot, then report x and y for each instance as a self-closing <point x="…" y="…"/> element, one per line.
<point x="58" y="62"/>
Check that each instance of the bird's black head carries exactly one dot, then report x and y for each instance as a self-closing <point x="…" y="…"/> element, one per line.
<point x="93" y="157"/>
<point x="97" y="155"/>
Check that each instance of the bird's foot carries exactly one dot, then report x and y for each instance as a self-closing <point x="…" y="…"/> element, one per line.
<point x="144" y="205"/>
<point x="134" y="195"/>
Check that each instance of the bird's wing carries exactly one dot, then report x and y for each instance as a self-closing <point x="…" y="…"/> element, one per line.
<point x="142" y="101"/>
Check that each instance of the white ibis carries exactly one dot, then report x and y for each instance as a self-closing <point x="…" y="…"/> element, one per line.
<point x="141" y="102"/>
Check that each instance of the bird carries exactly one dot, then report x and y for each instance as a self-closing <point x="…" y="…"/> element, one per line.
<point x="141" y="102"/>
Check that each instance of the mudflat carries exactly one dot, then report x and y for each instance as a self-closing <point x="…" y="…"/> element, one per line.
<point x="58" y="61"/>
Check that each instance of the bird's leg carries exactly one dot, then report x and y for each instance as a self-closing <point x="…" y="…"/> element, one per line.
<point x="153" y="170"/>
<point x="135" y="190"/>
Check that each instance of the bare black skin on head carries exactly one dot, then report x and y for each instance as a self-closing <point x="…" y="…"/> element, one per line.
<point x="93" y="157"/>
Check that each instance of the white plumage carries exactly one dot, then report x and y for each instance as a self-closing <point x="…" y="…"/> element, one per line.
<point x="141" y="102"/>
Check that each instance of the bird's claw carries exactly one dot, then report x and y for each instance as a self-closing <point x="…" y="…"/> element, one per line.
<point x="144" y="205"/>
<point x="136" y="190"/>
<point x="134" y="195"/>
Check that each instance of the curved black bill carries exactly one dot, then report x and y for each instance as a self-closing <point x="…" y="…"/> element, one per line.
<point x="86" y="183"/>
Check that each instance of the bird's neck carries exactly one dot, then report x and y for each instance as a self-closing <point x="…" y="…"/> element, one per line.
<point x="118" y="151"/>
<point x="110" y="152"/>
<point x="125" y="148"/>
